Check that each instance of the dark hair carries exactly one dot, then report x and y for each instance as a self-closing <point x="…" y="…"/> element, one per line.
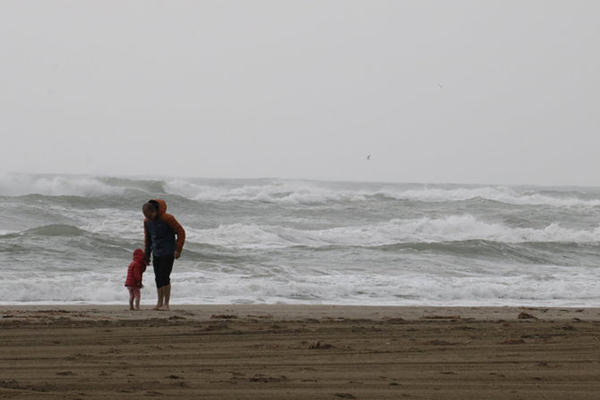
<point x="152" y="205"/>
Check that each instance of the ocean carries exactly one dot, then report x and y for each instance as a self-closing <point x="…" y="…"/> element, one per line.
<point x="68" y="239"/>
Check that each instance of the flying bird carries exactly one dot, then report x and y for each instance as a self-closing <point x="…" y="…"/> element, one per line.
<point x="368" y="157"/>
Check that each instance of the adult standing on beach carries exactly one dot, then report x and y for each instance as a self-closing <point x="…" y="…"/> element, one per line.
<point x="164" y="238"/>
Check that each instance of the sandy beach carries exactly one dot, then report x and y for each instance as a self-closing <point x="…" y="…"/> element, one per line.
<point x="299" y="352"/>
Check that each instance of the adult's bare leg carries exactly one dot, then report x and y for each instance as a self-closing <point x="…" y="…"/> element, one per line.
<point x="161" y="298"/>
<point x="167" y="296"/>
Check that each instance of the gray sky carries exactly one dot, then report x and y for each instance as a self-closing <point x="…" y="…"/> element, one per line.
<point x="436" y="91"/>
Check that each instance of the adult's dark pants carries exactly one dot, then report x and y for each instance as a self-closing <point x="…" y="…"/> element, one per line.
<point x="163" y="266"/>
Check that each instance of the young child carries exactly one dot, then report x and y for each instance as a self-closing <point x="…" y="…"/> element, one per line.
<point x="134" y="278"/>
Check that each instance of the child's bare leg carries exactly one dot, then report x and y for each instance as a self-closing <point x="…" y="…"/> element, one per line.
<point x="137" y="303"/>
<point x="130" y="298"/>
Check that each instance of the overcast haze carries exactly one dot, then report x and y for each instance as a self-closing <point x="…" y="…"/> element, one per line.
<point x="496" y="92"/>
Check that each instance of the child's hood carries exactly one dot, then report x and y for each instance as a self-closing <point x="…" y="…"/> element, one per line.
<point x="139" y="255"/>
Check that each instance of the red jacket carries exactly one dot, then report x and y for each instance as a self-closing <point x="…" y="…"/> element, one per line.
<point x="136" y="269"/>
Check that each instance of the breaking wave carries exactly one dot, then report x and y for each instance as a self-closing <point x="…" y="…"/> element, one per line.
<point x="458" y="228"/>
<point x="69" y="239"/>
<point x="289" y="192"/>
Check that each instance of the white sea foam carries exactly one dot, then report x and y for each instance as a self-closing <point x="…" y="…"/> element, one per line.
<point x="24" y="184"/>
<point x="467" y="227"/>
<point x="501" y="194"/>
<point x="114" y="223"/>
<point x="279" y="191"/>
<point x="276" y="192"/>
<point x="454" y="228"/>
<point x="273" y="240"/>
<point x="543" y="286"/>
<point x="306" y="192"/>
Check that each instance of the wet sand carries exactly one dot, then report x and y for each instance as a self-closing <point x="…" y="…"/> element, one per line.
<point x="299" y="352"/>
